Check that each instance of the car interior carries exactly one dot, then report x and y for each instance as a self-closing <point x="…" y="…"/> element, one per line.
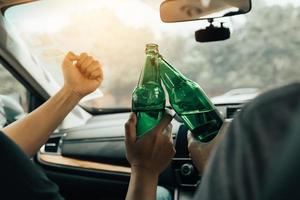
<point x="215" y="44"/>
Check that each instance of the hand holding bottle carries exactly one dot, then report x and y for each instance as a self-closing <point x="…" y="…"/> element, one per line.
<point x="148" y="157"/>
<point x="200" y="152"/>
<point x="154" y="151"/>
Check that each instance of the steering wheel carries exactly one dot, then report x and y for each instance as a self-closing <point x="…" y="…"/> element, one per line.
<point x="186" y="173"/>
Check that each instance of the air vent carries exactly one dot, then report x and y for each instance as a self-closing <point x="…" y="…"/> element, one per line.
<point x="52" y="144"/>
<point x="231" y="111"/>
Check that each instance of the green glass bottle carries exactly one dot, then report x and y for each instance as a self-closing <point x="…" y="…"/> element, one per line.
<point x="148" y="98"/>
<point x="191" y="103"/>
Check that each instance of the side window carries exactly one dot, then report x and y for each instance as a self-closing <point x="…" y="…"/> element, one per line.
<point x="13" y="99"/>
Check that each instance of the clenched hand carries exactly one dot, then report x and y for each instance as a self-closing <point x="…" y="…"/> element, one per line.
<point x="82" y="74"/>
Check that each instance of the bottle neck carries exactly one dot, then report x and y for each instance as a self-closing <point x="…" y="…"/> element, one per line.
<point x="170" y="76"/>
<point x="150" y="72"/>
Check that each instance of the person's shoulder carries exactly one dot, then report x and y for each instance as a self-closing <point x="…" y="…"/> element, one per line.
<point x="274" y="100"/>
<point x="279" y="94"/>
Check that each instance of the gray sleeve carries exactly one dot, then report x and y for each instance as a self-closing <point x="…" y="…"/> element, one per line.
<point x="237" y="167"/>
<point x="229" y="172"/>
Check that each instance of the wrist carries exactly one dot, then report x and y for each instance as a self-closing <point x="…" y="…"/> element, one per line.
<point x="145" y="172"/>
<point x="70" y="91"/>
<point x="143" y="183"/>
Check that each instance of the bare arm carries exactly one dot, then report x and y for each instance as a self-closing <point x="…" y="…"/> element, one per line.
<point x="143" y="184"/>
<point x="82" y="75"/>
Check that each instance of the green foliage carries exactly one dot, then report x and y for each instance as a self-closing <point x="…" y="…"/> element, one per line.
<point x="263" y="53"/>
<point x="9" y="85"/>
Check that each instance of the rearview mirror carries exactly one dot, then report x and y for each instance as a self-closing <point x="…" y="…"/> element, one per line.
<point x="188" y="10"/>
<point x="212" y="33"/>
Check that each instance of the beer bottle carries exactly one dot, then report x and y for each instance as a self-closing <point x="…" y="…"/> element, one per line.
<point x="148" y="98"/>
<point x="191" y="103"/>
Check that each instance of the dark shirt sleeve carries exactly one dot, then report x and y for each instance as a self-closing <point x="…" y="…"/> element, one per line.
<point x="283" y="179"/>
<point x="237" y="168"/>
<point x="20" y="178"/>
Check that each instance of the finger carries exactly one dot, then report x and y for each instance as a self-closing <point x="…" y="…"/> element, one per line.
<point x="168" y="131"/>
<point x="173" y="150"/>
<point x="81" y="58"/>
<point x="69" y="58"/>
<point x="101" y="74"/>
<point x="94" y="65"/>
<point x="130" y="129"/>
<point x="99" y="79"/>
<point x="190" y="137"/>
<point x="163" y="123"/>
<point x="95" y="74"/>
<point x="86" y="63"/>
<point x="170" y="112"/>
<point x="192" y="142"/>
<point x="94" y="69"/>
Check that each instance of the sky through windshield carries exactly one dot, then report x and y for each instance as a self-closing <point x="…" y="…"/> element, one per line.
<point x="116" y="33"/>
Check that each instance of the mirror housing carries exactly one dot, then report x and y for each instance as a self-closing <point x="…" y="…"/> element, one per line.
<point x="189" y="10"/>
<point x="212" y="34"/>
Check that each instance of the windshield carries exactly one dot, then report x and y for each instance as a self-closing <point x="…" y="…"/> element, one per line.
<point x="263" y="51"/>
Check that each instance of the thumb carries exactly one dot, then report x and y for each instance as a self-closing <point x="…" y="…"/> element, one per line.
<point x="190" y="137"/>
<point x="70" y="57"/>
<point x="130" y="129"/>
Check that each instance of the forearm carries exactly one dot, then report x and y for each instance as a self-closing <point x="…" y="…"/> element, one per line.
<point x="31" y="132"/>
<point x="142" y="185"/>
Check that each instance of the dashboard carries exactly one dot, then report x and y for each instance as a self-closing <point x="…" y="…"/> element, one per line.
<point x="97" y="149"/>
